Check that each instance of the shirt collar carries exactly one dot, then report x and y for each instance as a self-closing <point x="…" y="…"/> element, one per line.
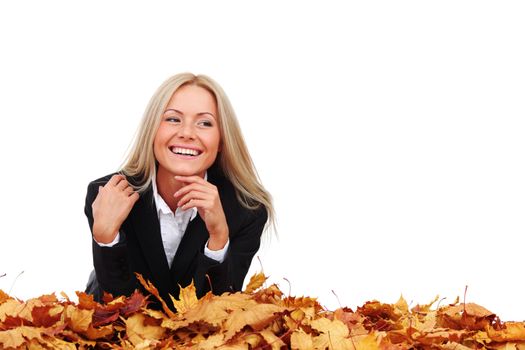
<point x="163" y="208"/>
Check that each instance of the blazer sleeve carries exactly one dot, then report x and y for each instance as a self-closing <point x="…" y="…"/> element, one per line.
<point x="112" y="269"/>
<point x="229" y="275"/>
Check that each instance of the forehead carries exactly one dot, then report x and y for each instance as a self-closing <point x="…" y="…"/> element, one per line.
<point x="193" y="98"/>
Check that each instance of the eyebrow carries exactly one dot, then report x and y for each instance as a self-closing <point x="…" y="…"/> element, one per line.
<point x="175" y="110"/>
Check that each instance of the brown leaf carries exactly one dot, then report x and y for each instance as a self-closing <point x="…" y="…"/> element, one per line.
<point x="46" y="316"/>
<point x="256" y="282"/>
<point x="154" y="291"/>
<point x="133" y="303"/>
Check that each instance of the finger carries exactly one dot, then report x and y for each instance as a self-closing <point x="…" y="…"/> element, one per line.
<point x="129" y="190"/>
<point x="193" y="195"/>
<point x="195" y="203"/>
<point x="115" y="179"/>
<point x="122" y="185"/>
<point x="191" y="179"/>
<point x="134" y="197"/>
<point x="207" y="188"/>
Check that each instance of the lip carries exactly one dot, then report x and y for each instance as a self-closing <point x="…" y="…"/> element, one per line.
<point x="186" y="146"/>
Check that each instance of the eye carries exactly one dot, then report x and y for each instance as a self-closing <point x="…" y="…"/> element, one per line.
<point x="172" y="119"/>
<point x="206" y="123"/>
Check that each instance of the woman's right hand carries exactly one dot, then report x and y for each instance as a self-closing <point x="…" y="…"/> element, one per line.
<point x="111" y="207"/>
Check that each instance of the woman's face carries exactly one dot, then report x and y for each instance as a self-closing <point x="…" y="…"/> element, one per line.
<point x="188" y="137"/>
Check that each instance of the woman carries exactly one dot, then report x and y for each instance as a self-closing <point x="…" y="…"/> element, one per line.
<point x="186" y="204"/>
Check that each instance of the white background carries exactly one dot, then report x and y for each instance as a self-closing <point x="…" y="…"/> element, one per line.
<point x="390" y="133"/>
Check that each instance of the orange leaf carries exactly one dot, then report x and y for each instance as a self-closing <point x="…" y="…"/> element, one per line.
<point x="154" y="291"/>
<point x="256" y="281"/>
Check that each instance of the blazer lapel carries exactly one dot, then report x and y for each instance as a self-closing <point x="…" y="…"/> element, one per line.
<point x="146" y="224"/>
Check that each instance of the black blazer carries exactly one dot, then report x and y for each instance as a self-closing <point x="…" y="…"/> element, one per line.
<point x="141" y="250"/>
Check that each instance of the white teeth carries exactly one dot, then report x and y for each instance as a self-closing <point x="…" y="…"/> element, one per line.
<point x="186" y="151"/>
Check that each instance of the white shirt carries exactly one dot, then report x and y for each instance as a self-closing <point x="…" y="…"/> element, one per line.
<point x="172" y="228"/>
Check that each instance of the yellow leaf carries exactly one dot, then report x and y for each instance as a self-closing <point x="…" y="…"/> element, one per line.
<point x="401" y="306"/>
<point x="212" y="342"/>
<point x="274" y="341"/>
<point x="334" y="334"/>
<point x="138" y="331"/>
<point x="78" y="320"/>
<point x="300" y="340"/>
<point x="366" y="343"/>
<point x="256" y="281"/>
<point x="512" y="331"/>
<point x="187" y="299"/>
<point x="15" y="337"/>
<point x="257" y="316"/>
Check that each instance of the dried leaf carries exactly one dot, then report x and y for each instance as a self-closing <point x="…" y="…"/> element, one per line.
<point x="300" y="340"/>
<point x="187" y="299"/>
<point x="16" y="337"/>
<point x="256" y="282"/>
<point x="138" y="330"/>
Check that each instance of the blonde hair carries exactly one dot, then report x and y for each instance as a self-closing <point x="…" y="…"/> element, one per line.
<point x="234" y="158"/>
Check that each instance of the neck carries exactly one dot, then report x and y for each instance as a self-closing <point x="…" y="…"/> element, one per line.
<point x="167" y="185"/>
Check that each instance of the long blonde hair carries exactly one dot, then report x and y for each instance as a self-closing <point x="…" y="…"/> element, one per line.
<point x="234" y="158"/>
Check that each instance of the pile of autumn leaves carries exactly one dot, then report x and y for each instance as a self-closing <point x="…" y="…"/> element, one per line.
<point x="258" y="318"/>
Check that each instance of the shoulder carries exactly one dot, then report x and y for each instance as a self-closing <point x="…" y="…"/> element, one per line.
<point x="102" y="180"/>
<point x="93" y="185"/>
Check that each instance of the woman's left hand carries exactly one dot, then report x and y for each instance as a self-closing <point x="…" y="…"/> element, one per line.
<point x="199" y="193"/>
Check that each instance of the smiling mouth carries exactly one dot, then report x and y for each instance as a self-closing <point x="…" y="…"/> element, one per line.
<point x="185" y="151"/>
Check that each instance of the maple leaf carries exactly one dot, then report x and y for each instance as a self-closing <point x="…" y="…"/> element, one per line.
<point x="271" y="339"/>
<point x="300" y="340"/>
<point x="368" y="342"/>
<point x="465" y="316"/>
<point x="16" y="337"/>
<point x="78" y="320"/>
<point x="511" y="331"/>
<point x="46" y="316"/>
<point x="212" y="342"/>
<point x="138" y="330"/>
<point x="86" y="301"/>
<point x="10" y="307"/>
<point x="334" y="334"/>
<point x="256" y="282"/>
<point x="133" y="303"/>
<point x="256" y="316"/>
<point x="187" y="298"/>
<point x="4" y="296"/>
<point x="423" y="309"/>
<point x="154" y="291"/>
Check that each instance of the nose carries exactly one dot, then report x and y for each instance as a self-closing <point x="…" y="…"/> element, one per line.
<point x="186" y="131"/>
